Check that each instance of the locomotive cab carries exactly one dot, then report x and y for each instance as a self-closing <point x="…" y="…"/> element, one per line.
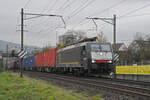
<point x="100" y="58"/>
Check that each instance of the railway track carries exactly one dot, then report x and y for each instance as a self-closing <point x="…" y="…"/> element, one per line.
<point x="139" y="93"/>
<point x="127" y="82"/>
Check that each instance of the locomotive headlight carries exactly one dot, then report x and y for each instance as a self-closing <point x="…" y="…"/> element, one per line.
<point x="93" y="61"/>
<point x="101" y="53"/>
<point x="110" y="61"/>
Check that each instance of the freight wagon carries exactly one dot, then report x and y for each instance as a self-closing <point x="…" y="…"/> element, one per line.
<point x="28" y="63"/>
<point x="46" y="61"/>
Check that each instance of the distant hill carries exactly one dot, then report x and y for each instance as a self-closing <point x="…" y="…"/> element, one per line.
<point x="11" y="45"/>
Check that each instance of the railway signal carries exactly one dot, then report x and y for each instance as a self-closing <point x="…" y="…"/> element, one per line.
<point x="22" y="54"/>
<point x="116" y="57"/>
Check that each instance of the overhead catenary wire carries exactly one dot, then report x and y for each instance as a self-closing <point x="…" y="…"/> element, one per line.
<point x="48" y="11"/>
<point x="108" y="8"/>
<point x="99" y="12"/>
<point x="80" y="6"/>
<point x="92" y="1"/>
<point x="140" y="15"/>
<point x="26" y="4"/>
<point x="46" y="7"/>
<point x="125" y="15"/>
<point x="63" y="4"/>
<point x="48" y="15"/>
<point x="81" y="9"/>
<point x="41" y="31"/>
<point x="133" y="11"/>
<point x="59" y="8"/>
<point x="74" y="10"/>
<point x="73" y="1"/>
<point x="50" y="7"/>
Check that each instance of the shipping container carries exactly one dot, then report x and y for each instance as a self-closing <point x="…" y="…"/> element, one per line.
<point x="29" y="61"/>
<point x="46" y="59"/>
<point x="39" y="60"/>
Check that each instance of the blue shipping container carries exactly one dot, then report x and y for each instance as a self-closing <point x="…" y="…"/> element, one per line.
<point x="29" y="61"/>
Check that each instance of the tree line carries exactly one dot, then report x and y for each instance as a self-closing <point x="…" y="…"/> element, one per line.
<point x="138" y="51"/>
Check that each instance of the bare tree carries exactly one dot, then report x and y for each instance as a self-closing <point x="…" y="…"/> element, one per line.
<point x="139" y="50"/>
<point x="101" y="37"/>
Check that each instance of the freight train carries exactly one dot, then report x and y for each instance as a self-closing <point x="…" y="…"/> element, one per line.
<point x="85" y="58"/>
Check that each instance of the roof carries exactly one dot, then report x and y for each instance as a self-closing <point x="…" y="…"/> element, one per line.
<point x="120" y="47"/>
<point x="79" y="45"/>
<point x="84" y="40"/>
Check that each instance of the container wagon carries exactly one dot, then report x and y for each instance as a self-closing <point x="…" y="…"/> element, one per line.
<point x="46" y="61"/>
<point x="28" y="63"/>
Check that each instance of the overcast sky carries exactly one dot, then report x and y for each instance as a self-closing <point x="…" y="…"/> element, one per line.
<point x="42" y="31"/>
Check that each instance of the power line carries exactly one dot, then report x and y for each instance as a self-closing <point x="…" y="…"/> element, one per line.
<point x="81" y="9"/>
<point x="66" y="5"/>
<point x="133" y="11"/>
<point x="73" y="1"/>
<point x="63" y="4"/>
<point x="52" y="6"/>
<point x="128" y="12"/>
<point x="137" y="15"/>
<point x="74" y="10"/>
<point x="46" y="7"/>
<point x="92" y="1"/>
<point x="49" y="6"/>
<point x="83" y="3"/>
<point x="112" y="6"/>
<point x="26" y="4"/>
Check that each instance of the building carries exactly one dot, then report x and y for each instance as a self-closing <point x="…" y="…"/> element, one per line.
<point x="66" y="38"/>
<point x="121" y="47"/>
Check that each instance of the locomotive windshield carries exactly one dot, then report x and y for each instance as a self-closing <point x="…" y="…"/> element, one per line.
<point x="100" y="47"/>
<point x="95" y="47"/>
<point x="105" y="47"/>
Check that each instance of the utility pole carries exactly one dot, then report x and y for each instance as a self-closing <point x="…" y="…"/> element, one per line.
<point x="22" y="30"/>
<point x="111" y="21"/>
<point x="22" y="24"/>
<point x="7" y="57"/>
<point x="114" y="31"/>
<point x="56" y="37"/>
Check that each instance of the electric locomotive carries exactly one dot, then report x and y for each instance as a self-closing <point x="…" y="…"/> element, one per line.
<point x="86" y="58"/>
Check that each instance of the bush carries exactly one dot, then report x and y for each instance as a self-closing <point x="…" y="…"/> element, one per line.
<point x="1" y="69"/>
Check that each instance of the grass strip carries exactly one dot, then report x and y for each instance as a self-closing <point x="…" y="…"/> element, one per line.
<point x="12" y="87"/>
